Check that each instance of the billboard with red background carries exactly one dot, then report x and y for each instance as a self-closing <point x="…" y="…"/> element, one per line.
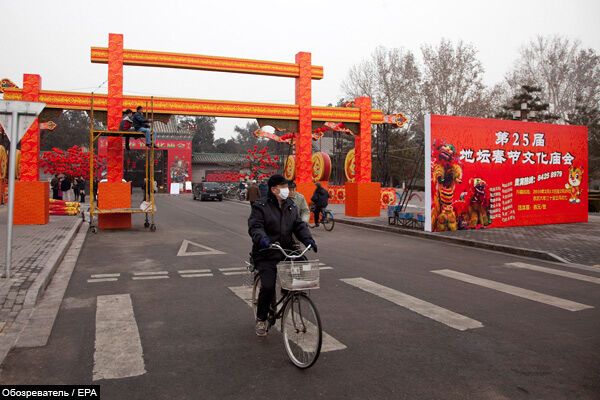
<point x="497" y="173"/>
<point x="179" y="157"/>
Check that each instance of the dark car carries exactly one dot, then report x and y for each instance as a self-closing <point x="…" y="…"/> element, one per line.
<point x="208" y="191"/>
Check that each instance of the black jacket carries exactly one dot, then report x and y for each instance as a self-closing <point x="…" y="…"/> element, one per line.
<point x="139" y="121"/>
<point x="320" y="198"/>
<point x="267" y="219"/>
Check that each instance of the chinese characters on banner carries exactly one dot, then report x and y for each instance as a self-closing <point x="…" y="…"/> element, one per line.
<point x="495" y="173"/>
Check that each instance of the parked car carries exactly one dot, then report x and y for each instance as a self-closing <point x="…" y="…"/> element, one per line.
<point x="207" y="191"/>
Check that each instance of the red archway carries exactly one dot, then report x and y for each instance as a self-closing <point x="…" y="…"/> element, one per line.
<point x="362" y="196"/>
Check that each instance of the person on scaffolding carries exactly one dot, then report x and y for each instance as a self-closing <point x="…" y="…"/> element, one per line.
<point x="141" y="124"/>
<point x="126" y="125"/>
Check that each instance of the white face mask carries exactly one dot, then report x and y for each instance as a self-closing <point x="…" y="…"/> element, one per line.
<point x="284" y="193"/>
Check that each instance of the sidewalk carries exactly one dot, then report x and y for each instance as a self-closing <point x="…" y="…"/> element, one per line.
<point x="567" y="243"/>
<point x="37" y="252"/>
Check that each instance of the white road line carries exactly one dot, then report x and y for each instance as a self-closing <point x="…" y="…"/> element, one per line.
<point x="194" y="275"/>
<point x="514" y="290"/>
<point x="426" y="309"/>
<point x="140" y="278"/>
<point x="329" y="342"/>
<point x="236" y="273"/>
<point x="106" y="276"/>
<point x="553" y="271"/>
<point x="193" y="271"/>
<point x="118" y="349"/>
<point x="322" y="263"/>
<point x="322" y="268"/>
<point x="151" y="273"/>
<point x="233" y="269"/>
<point x="102" y="280"/>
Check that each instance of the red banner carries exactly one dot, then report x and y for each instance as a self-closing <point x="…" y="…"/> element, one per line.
<point x="222" y="176"/>
<point x="497" y="173"/>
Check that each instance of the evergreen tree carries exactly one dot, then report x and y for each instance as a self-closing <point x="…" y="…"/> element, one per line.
<point x="527" y="106"/>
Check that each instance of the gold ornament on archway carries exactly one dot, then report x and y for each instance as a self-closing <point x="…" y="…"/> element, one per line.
<point x="3" y="162"/>
<point x="321" y="167"/>
<point x="18" y="166"/>
<point x="289" y="170"/>
<point x="349" y="166"/>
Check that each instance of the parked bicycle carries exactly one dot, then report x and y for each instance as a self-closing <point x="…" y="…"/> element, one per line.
<point x="300" y="321"/>
<point x="326" y="219"/>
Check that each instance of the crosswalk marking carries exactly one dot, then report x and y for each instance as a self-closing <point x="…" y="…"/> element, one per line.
<point x="322" y="268"/>
<point x="329" y="342"/>
<point x="193" y="271"/>
<point x="106" y="275"/>
<point x="424" y="308"/>
<point x="233" y="269"/>
<point x="235" y="273"/>
<point x="102" y="280"/>
<point x="195" y="275"/>
<point x="515" y="291"/>
<point x="553" y="271"/>
<point x="151" y="273"/>
<point x="140" y="278"/>
<point x="118" y="350"/>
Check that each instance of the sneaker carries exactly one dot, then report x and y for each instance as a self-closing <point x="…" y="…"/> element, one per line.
<point x="261" y="328"/>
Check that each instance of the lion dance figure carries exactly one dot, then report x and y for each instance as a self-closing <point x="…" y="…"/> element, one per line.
<point x="446" y="174"/>
<point x="476" y="209"/>
<point x="575" y="178"/>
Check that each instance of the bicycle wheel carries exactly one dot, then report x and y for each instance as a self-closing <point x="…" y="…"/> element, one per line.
<point x="255" y="291"/>
<point x="328" y="221"/>
<point x="302" y="331"/>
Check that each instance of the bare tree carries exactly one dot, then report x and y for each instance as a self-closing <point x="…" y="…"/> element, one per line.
<point x="452" y="80"/>
<point x="567" y="74"/>
<point x="391" y="77"/>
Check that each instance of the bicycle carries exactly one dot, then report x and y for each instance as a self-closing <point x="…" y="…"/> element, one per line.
<point x="326" y="219"/>
<point x="300" y="320"/>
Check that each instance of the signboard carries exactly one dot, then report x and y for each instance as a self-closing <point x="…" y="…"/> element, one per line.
<point x="495" y="173"/>
<point x="174" y="188"/>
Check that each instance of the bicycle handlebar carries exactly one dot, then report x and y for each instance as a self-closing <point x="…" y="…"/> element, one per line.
<point x="291" y="256"/>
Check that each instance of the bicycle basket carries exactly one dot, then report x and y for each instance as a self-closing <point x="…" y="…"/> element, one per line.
<point x="298" y="275"/>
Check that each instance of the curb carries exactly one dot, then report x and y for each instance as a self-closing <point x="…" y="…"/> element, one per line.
<point x="43" y="279"/>
<point x="11" y="335"/>
<point x="542" y="255"/>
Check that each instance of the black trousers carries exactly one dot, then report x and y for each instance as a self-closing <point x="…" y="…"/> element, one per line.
<point x="267" y="271"/>
<point x="318" y="211"/>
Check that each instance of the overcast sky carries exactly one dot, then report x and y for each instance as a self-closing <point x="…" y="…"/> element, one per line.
<point x="53" y="39"/>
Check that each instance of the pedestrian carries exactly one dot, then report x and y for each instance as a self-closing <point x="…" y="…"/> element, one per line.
<point x="65" y="187"/>
<point x="319" y="199"/>
<point x="81" y="190"/>
<point x="144" y="189"/>
<point x="253" y="193"/>
<point x="54" y="184"/>
<point x="300" y="201"/>
<point x="263" y="188"/>
<point x="141" y="124"/>
<point x="273" y="219"/>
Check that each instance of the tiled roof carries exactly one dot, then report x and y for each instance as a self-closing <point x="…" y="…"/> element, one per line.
<point x="171" y="131"/>
<point x="218" y="158"/>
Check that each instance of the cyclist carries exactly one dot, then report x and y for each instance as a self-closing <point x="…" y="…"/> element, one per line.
<point x="320" y="199"/>
<point x="273" y="219"/>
